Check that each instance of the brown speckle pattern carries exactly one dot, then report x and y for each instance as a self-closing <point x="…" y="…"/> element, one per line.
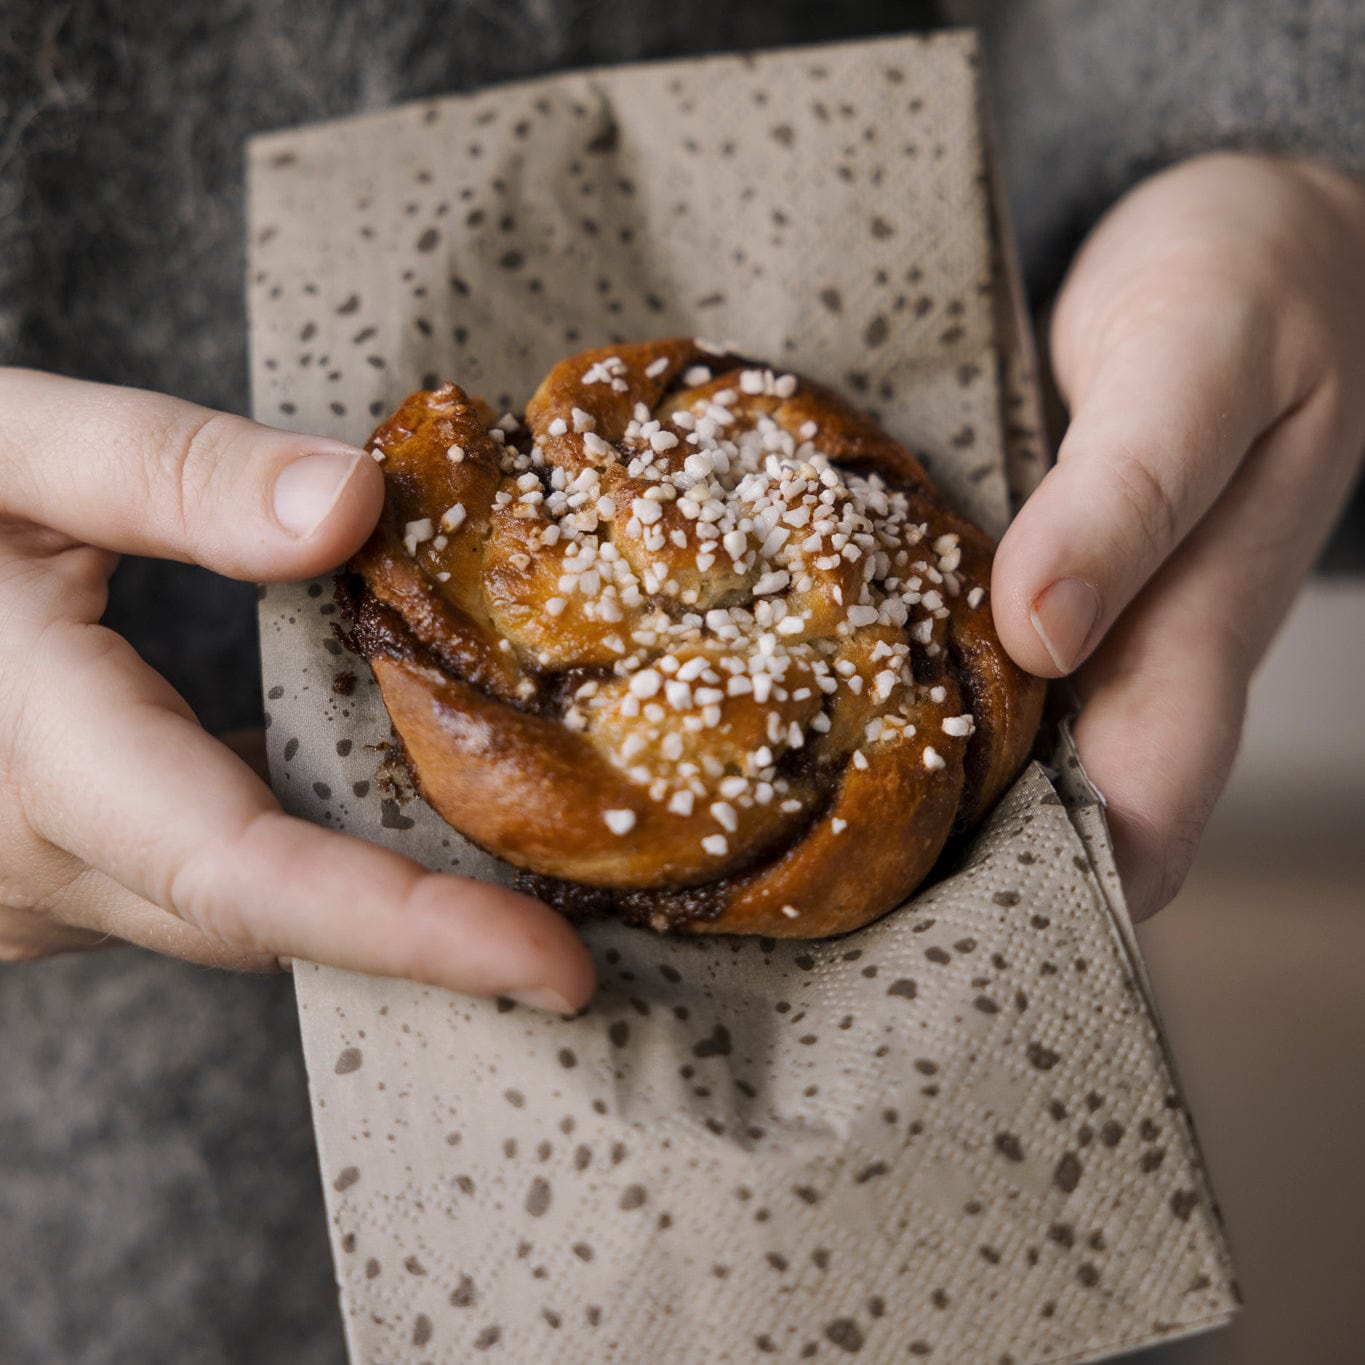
<point x="1014" y="1166"/>
<point x="701" y="1160"/>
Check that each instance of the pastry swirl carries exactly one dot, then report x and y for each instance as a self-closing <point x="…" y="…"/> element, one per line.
<point x="693" y="641"/>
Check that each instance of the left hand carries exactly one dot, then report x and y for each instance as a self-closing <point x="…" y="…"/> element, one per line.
<point x="119" y="817"/>
<point x="1209" y="342"/>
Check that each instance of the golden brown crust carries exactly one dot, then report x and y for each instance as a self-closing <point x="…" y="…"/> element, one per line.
<point x="696" y="642"/>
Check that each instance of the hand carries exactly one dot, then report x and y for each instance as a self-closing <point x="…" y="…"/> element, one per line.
<point x="118" y="814"/>
<point x="1210" y="344"/>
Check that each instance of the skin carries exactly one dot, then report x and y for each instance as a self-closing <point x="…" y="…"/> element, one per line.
<point x="119" y="816"/>
<point x="1208" y="342"/>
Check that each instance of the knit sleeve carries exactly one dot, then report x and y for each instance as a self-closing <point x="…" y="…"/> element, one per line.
<point x="1089" y="98"/>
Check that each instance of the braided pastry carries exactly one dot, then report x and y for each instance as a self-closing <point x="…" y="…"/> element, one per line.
<point x="695" y="642"/>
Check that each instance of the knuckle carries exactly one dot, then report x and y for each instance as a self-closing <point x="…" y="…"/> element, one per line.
<point x="31" y="712"/>
<point x="410" y="953"/>
<point x="51" y="578"/>
<point x="202" y="889"/>
<point x="15" y="704"/>
<point x="24" y="714"/>
<point x="1142" y="493"/>
<point x="191" y="458"/>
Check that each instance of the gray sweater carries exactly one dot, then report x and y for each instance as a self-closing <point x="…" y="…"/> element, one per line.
<point x="158" y="1193"/>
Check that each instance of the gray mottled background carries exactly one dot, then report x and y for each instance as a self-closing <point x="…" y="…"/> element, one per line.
<point x="158" y="1189"/>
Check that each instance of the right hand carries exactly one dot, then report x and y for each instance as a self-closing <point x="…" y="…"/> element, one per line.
<point x="1208" y="340"/>
<point x="119" y="816"/>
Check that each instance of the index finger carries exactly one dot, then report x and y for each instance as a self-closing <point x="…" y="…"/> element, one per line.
<point x="184" y="824"/>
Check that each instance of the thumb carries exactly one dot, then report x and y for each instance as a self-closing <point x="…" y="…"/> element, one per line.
<point x="141" y="473"/>
<point x="1165" y="406"/>
<point x="1171" y="359"/>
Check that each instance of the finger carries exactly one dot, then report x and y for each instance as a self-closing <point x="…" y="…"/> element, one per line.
<point x="1164" y="697"/>
<point x="1159" y="426"/>
<point x="249" y="745"/>
<point x="1158" y="729"/>
<point x="146" y="474"/>
<point x="185" y="825"/>
<point x="105" y="914"/>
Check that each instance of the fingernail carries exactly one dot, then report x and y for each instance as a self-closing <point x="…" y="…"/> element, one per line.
<point x="1064" y="615"/>
<point x="541" y="998"/>
<point x="307" y="490"/>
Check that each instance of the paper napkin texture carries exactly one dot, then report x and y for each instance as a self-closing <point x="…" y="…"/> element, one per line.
<point x="953" y="1135"/>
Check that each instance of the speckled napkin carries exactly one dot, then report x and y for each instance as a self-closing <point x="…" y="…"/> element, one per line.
<point x="954" y="1134"/>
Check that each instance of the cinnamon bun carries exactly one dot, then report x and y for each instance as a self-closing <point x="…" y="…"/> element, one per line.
<point x="692" y="641"/>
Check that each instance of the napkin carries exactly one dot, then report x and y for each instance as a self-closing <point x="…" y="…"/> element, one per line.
<point x="955" y="1134"/>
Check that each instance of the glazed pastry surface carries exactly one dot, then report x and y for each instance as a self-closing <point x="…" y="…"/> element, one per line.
<point x="691" y="641"/>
